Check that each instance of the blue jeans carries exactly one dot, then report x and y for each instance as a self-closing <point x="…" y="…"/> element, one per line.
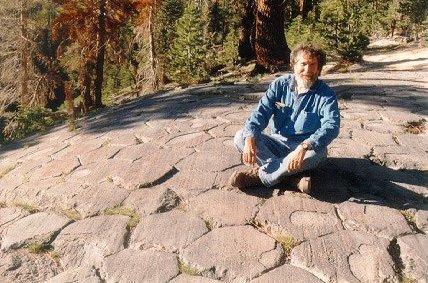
<point x="272" y="156"/>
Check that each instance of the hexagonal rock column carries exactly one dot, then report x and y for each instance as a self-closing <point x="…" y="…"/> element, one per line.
<point x="287" y="273"/>
<point x="224" y="208"/>
<point x="422" y="220"/>
<point x="88" y="241"/>
<point x="233" y="253"/>
<point x="377" y="219"/>
<point x="209" y="161"/>
<point x="346" y="256"/>
<point x="152" y="200"/>
<point x="298" y="216"/>
<point x="191" y="183"/>
<point x="185" y="278"/>
<point x="140" y="266"/>
<point x="38" y="227"/>
<point x="169" y="231"/>
<point x="8" y="215"/>
<point x="86" y="274"/>
<point x="22" y="266"/>
<point x="414" y="254"/>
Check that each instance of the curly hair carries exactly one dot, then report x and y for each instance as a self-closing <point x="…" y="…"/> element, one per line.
<point x="309" y="48"/>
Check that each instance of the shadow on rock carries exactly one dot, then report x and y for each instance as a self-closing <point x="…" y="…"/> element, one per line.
<point x="341" y="178"/>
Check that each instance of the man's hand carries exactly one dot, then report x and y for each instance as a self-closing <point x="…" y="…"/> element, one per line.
<point x="250" y="150"/>
<point x="296" y="158"/>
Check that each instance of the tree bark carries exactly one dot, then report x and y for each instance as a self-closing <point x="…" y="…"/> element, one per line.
<point x="153" y="59"/>
<point x="85" y="84"/>
<point x="306" y="6"/>
<point x="247" y="32"/>
<point x="99" y="63"/>
<point x="272" y="52"/>
<point x="24" y="53"/>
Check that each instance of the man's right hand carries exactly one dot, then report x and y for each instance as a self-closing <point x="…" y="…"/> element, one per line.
<point x="250" y="150"/>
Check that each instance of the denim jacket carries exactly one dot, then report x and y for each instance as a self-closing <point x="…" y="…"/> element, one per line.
<point x="312" y="117"/>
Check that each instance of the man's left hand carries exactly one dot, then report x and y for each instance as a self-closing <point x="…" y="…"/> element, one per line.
<point x="296" y="158"/>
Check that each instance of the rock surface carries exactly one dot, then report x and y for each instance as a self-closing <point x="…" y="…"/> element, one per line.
<point x="233" y="253"/>
<point x="414" y="253"/>
<point x="36" y="228"/>
<point x="170" y="231"/>
<point x="373" y="218"/>
<point x="302" y="218"/>
<point x="90" y="240"/>
<point x="289" y="273"/>
<point x="346" y="256"/>
<point x="140" y="266"/>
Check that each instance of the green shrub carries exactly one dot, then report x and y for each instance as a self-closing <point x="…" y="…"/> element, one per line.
<point x="343" y="25"/>
<point x="230" y="54"/>
<point x="303" y="30"/>
<point x="188" y="52"/>
<point x="29" y="120"/>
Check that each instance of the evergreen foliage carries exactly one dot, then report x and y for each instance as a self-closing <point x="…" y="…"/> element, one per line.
<point x="341" y="24"/>
<point x="230" y="54"/>
<point x="414" y="13"/>
<point x="29" y="120"/>
<point x="188" y="50"/>
<point x="303" y="30"/>
<point x="165" y="31"/>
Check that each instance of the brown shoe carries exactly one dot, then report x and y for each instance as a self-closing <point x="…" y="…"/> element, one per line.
<point x="301" y="182"/>
<point x="246" y="179"/>
<point x="305" y="185"/>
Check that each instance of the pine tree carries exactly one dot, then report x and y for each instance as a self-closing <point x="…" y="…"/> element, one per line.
<point x="165" y="32"/>
<point x="413" y="14"/>
<point x="341" y="25"/>
<point x="188" y="51"/>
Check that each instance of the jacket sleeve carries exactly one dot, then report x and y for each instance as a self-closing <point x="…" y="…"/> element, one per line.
<point x="330" y="124"/>
<point x="259" y="118"/>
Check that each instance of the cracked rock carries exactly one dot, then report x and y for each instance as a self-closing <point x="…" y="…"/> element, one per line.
<point x="298" y="216"/>
<point x="56" y="168"/>
<point x="414" y="254"/>
<point x="209" y="161"/>
<point x="190" y="183"/>
<point x="346" y="256"/>
<point x="22" y="266"/>
<point x="170" y="231"/>
<point x="39" y="227"/>
<point x="85" y="274"/>
<point x="89" y="240"/>
<point x="188" y="139"/>
<point x="233" y="253"/>
<point x="421" y="218"/>
<point x="185" y="278"/>
<point x="152" y="200"/>
<point x="224" y="208"/>
<point x="9" y="215"/>
<point x="291" y="273"/>
<point x="140" y="266"/>
<point x="377" y="219"/>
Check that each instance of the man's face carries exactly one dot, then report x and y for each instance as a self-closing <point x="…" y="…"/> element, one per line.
<point x="306" y="70"/>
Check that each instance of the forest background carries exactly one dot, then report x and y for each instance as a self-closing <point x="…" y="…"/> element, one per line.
<point x="59" y="58"/>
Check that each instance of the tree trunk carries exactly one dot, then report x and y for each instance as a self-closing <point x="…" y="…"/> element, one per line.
<point x="24" y="53"/>
<point x="99" y="63"/>
<point x="85" y="85"/>
<point x="272" y="52"/>
<point x="305" y="6"/>
<point x="152" y="47"/>
<point x="247" y="32"/>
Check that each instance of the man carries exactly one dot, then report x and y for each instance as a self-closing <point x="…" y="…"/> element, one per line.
<point x="305" y="119"/>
